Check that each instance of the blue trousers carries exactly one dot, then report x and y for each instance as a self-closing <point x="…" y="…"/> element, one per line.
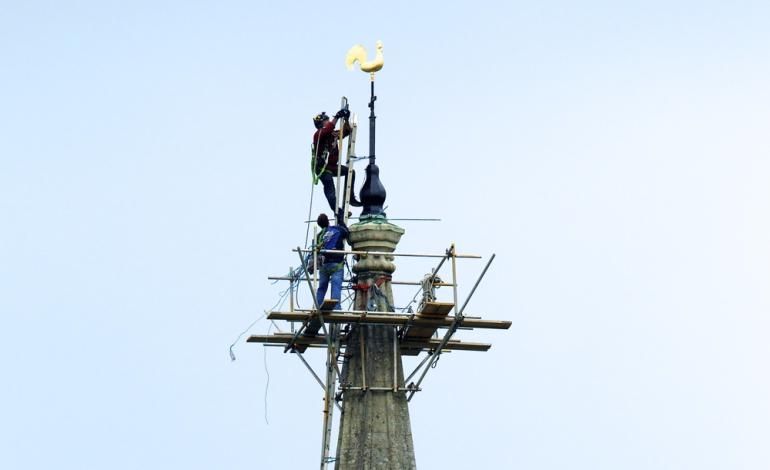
<point x="323" y="283"/>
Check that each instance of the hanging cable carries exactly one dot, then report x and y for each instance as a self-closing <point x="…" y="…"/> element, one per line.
<point x="282" y="298"/>
<point x="435" y="363"/>
<point x="377" y="292"/>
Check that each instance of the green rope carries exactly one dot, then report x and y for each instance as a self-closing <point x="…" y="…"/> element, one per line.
<point x="313" y="159"/>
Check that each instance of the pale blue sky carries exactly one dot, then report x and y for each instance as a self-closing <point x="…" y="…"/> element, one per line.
<point x="154" y="171"/>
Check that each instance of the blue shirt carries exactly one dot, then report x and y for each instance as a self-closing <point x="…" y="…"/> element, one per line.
<point x="332" y="238"/>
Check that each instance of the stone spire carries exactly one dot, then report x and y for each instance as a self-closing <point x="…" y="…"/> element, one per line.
<point x="375" y="431"/>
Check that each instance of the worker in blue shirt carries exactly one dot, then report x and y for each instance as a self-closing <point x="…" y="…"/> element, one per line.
<point x="330" y="265"/>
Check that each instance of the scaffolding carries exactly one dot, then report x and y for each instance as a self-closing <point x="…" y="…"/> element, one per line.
<point x="415" y="332"/>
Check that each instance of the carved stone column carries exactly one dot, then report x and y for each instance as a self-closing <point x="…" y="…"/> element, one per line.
<point x="375" y="431"/>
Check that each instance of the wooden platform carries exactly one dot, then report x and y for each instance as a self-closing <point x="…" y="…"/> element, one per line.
<point x="320" y="340"/>
<point x="417" y="333"/>
<point x="314" y="324"/>
<point x="384" y="318"/>
<point x="417" y="328"/>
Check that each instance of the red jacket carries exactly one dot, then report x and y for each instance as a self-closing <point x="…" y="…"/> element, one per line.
<point x="326" y="140"/>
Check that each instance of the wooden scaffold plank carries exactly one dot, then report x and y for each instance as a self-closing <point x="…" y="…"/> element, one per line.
<point x="389" y="319"/>
<point x="430" y="311"/>
<point x="320" y="340"/>
<point x="314" y="325"/>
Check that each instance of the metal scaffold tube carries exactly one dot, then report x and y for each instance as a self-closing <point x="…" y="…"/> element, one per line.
<point x="457" y="321"/>
<point x="384" y="253"/>
<point x="453" y="254"/>
<point x="329" y="389"/>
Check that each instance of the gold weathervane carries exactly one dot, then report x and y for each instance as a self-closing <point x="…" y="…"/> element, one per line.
<point x="357" y="53"/>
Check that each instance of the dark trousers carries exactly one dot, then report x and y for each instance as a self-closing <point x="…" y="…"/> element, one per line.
<point x="327" y="179"/>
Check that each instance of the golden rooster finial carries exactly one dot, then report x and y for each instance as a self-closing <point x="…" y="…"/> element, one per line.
<point x="357" y="53"/>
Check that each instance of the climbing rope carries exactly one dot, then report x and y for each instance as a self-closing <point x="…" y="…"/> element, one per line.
<point x="309" y="214"/>
<point x="314" y="159"/>
<point x="314" y="181"/>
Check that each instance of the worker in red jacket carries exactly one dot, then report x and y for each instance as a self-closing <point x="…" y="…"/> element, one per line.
<point x="326" y="154"/>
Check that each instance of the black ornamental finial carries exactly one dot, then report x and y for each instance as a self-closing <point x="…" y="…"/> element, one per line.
<point x="373" y="193"/>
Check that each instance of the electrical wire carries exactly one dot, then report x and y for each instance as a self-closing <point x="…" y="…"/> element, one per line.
<point x="278" y="305"/>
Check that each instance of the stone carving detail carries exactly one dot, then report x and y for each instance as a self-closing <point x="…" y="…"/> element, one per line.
<point x="382" y="237"/>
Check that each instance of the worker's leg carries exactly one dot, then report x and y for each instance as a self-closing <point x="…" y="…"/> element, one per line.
<point x="323" y="285"/>
<point x="336" y="280"/>
<point x="352" y="175"/>
<point x="331" y="194"/>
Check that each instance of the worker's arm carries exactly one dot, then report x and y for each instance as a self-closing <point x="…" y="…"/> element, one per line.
<point x="343" y="113"/>
<point x="343" y="229"/>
